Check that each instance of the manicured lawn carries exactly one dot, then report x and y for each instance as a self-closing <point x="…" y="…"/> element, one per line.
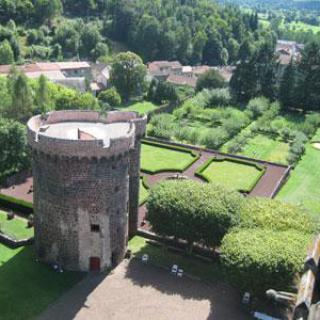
<point x="143" y="192"/>
<point x="16" y="228"/>
<point x="232" y="175"/>
<point x="141" y="107"/>
<point x="265" y="148"/>
<point x="155" y="159"/>
<point x="28" y="287"/>
<point x="161" y="256"/>
<point x="303" y="187"/>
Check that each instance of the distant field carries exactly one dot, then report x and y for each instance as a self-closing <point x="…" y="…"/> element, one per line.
<point x="141" y="107"/>
<point x="155" y="159"/>
<point x="264" y="148"/>
<point x="303" y="187"/>
<point x="232" y="175"/>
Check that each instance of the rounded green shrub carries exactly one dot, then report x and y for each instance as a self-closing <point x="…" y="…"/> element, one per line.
<point x="256" y="260"/>
<point x="192" y="211"/>
<point x="275" y="215"/>
<point x="110" y="96"/>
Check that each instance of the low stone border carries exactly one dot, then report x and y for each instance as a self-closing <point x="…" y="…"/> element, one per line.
<point x="12" y="243"/>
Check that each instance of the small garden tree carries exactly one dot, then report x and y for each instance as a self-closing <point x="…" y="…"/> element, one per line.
<point x="211" y="79"/>
<point x="259" y="259"/>
<point x="192" y="211"/>
<point x="110" y="96"/>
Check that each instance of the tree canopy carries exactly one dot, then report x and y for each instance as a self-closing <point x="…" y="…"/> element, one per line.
<point x="128" y="74"/>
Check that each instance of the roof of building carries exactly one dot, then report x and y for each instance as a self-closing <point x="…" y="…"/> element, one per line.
<point x="181" y="80"/>
<point x="46" y="67"/>
<point x="186" y="69"/>
<point x="156" y="65"/>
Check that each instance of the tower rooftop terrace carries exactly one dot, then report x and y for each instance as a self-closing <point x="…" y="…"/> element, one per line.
<point x="85" y="131"/>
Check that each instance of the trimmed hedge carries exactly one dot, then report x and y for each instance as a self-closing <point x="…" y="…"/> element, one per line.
<point x="193" y="211"/>
<point x="256" y="260"/>
<point x="147" y="187"/>
<point x="276" y="215"/>
<point x="16" y="204"/>
<point x="199" y="172"/>
<point x="194" y="154"/>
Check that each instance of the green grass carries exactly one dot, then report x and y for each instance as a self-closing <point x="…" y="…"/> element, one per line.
<point x="265" y="148"/>
<point x="15" y="228"/>
<point x="232" y="174"/>
<point x="141" y="107"/>
<point x="143" y="192"/>
<point x="155" y="159"/>
<point x="301" y="26"/>
<point x="303" y="186"/>
<point x="28" y="287"/>
<point x="161" y="256"/>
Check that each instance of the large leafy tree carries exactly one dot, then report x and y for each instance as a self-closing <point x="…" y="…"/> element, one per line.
<point x="42" y="94"/>
<point x="211" y="79"/>
<point x="46" y="10"/>
<point x="192" y="211"/>
<point x="287" y="89"/>
<point x="14" y="151"/>
<point x="128" y="74"/>
<point x="21" y="97"/>
<point x="6" y="53"/>
<point x="243" y="83"/>
<point x="309" y="77"/>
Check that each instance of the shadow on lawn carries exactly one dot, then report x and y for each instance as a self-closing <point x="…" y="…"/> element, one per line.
<point x="28" y="287"/>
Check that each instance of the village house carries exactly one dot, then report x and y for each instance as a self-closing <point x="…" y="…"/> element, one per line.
<point x="174" y="72"/>
<point x="76" y="75"/>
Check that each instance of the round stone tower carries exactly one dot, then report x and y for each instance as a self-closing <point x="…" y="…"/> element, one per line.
<point x="85" y="170"/>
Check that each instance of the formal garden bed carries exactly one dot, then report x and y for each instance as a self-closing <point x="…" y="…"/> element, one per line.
<point x="15" y="228"/>
<point x="267" y="148"/>
<point x="233" y="173"/>
<point x="157" y="157"/>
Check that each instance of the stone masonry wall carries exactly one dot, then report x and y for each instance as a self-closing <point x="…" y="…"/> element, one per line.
<point x="81" y="184"/>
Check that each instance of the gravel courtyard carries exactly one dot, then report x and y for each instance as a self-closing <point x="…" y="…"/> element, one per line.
<point x="136" y="291"/>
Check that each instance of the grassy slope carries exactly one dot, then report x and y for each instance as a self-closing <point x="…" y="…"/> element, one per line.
<point x="143" y="193"/>
<point x="233" y="175"/>
<point x="16" y="227"/>
<point x="265" y="148"/>
<point x="304" y="184"/>
<point x="166" y="258"/>
<point x="28" y="287"/>
<point x="141" y="107"/>
<point x="157" y="158"/>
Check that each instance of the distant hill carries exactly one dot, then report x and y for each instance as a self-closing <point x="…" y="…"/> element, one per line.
<point x="283" y="4"/>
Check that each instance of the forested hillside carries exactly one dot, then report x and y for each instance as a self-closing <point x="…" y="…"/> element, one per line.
<point x="192" y="31"/>
<point x="280" y="4"/>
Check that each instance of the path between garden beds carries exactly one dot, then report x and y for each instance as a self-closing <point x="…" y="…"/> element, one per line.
<point x="266" y="186"/>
